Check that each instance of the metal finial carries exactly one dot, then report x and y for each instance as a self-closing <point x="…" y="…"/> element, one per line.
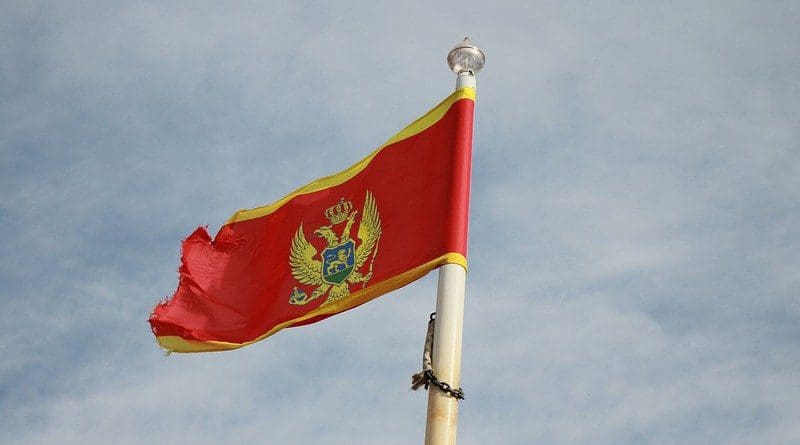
<point x="466" y="57"/>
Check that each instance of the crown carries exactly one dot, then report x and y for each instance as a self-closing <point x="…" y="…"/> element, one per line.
<point x="339" y="212"/>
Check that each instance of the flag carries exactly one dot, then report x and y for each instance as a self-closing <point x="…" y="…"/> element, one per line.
<point x="331" y="245"/>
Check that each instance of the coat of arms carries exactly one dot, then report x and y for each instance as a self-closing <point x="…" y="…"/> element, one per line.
<point x="340" y="262"/>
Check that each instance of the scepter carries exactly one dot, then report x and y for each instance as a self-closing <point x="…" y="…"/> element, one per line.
<point x="372" y="261"/>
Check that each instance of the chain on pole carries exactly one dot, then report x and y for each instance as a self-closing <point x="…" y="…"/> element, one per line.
<point x="427" y="378"/>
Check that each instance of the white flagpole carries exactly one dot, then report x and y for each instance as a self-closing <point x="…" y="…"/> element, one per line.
<point x="465" y="60"/>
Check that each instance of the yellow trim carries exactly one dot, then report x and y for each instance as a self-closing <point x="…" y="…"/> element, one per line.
<point x="178" y="344"/>
<point x="416" y="127"/>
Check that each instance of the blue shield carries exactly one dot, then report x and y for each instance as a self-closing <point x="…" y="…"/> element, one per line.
<point x="338" y="262"/>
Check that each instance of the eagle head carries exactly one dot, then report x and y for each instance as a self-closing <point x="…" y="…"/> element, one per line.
<point x="328" y="234"/>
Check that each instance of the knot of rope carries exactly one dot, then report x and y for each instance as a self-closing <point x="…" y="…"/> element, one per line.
<point x="427" y="378"/>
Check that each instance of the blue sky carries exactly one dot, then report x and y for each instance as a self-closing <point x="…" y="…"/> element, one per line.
<point x="634" y="235"/>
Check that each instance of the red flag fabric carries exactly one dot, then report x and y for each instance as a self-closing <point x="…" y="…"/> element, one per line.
<point x="331" y="245"/>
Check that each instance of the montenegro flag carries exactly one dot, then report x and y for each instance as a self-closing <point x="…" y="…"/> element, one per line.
<point x="330" y="245"/>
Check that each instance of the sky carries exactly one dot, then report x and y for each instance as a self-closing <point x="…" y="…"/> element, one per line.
<point x="634" y="237"/>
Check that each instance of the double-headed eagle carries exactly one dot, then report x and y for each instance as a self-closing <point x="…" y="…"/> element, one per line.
<point x="340" y="261"/>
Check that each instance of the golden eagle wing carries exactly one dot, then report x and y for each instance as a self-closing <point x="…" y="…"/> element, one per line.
<point x="305" y="268"/>
<point x="369" y="230"/>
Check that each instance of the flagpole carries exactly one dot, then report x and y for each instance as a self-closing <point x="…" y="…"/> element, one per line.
<point x="442" y="420"/>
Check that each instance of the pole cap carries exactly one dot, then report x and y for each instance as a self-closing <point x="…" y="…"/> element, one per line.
<point x="466" y="57"/>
